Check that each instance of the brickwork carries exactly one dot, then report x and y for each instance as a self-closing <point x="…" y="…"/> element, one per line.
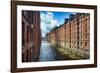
<point x="31" y="35"/>
<point x="74" y="33"/>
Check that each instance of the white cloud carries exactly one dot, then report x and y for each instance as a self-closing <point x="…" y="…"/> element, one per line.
<point x="47" y="22"/>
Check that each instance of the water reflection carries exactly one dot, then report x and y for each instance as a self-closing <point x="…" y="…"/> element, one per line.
<point x="47" y="53"/>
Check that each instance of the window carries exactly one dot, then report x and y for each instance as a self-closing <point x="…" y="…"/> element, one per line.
<point x="27" y="34"/>
<point x="86" y="20"/>
<point x="85" y="43"/>
<point x="23" y="31"/>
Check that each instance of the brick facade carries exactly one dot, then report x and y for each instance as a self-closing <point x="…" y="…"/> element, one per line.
<point x="74" y="33"/>
<point x="31" y="35"/>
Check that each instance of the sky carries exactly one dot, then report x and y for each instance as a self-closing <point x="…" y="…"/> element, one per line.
<point x="51" y="19"/>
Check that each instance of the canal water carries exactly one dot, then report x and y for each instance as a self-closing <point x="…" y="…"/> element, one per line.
<point x="48" y="53"/>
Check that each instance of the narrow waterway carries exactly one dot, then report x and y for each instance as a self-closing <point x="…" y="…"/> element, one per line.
<point x="47" y="53"/>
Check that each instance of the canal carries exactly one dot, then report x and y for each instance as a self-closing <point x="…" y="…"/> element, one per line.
<point x="48" y="53"/>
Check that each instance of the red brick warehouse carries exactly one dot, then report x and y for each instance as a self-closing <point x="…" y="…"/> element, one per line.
<point x="31" y="35"/>
<point x="73" y="34"/>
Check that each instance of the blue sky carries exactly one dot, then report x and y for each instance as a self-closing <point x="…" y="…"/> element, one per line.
<point x="51" y="19"/>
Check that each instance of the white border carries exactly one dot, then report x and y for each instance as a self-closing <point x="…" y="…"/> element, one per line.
<point x="54" y="63"/>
